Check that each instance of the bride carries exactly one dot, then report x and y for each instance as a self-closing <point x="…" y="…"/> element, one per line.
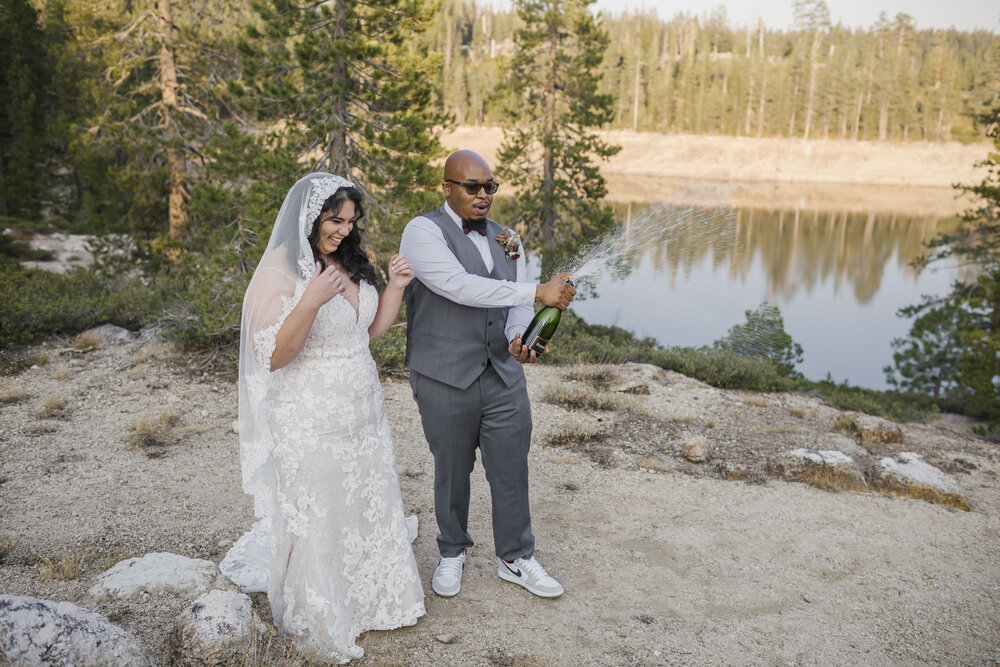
<point x="330" y="545"/>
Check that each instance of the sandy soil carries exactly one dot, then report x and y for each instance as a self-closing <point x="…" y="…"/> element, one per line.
<point x="676" y="567"/>
<point x="777" y="173"/>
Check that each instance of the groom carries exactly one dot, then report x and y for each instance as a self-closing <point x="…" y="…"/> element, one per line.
<point x="466" y="311"/>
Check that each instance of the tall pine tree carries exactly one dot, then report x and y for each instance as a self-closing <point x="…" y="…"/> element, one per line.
<point x="356" y="93"/>
<point x="551" y="100"/>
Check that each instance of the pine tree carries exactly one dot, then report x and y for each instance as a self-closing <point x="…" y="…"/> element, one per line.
<point x="551" y="99"/>
<point x="356" y="92"/>
<point x="24" y="87"/>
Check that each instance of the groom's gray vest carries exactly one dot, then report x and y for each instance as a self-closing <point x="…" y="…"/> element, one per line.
<point x="449" y="342"/>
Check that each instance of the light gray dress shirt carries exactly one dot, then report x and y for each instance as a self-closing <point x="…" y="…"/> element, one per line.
<point x="437" y="268"/>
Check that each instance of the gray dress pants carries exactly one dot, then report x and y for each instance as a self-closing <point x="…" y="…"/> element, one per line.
<point x="496" y="419"/>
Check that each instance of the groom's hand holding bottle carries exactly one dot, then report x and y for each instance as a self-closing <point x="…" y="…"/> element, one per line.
<point x="558" y="293"/>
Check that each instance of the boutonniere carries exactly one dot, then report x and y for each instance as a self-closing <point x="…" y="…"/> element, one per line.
<point x="510" y="241"/>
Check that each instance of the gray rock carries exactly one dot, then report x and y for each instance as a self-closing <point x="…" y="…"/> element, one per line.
<point x="40" y="632"/>
<point x="215" y="630"/>
<point x="696" y="448"/>
<point x="826" y="469"/>
<point x="909" y="476"/>
<point x="161" y="573"/>
<point x="109" y="333"/>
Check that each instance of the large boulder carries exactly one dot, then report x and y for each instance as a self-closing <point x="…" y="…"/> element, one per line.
<point x="875" y="434"/>
<point x="41" y="632"/>
<point x="216" y="629"/>
<point x="909" y="476"/>
<point x="161" y="573"/>
<point x="826" y="469"/>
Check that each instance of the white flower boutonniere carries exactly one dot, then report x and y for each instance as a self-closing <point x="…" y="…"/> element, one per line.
<point x="510" y="241"/>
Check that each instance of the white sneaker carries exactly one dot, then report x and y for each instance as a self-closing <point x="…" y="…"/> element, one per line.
<point x="529" y="573"/>
<point x="447" y="580"/>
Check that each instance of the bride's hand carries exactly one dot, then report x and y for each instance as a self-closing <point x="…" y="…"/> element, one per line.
<point x="324" y="285"/>
<point x="400" y="272"/>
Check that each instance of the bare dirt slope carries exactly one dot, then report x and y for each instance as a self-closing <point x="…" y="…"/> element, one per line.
<point x="912" y="177"/>
<point x="673" y="567"/>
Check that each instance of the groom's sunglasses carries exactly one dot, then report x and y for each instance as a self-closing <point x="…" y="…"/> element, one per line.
<point x="473" y="188"/>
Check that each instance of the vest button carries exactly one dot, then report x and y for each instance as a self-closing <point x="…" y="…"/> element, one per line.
<point x="490" y="323"/>
<point x="484" y="364"/>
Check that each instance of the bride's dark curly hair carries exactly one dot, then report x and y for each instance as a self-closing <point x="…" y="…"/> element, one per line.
<point x="349" y="254"/>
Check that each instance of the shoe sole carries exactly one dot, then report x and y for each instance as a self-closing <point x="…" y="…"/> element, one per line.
<point x="506" y="576"/>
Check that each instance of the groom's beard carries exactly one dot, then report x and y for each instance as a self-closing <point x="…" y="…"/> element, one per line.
<point x="474" y="224"/>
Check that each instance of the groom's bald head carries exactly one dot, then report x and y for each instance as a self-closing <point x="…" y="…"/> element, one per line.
<point x="467" y="167"/>
<point x="460" y="163"/>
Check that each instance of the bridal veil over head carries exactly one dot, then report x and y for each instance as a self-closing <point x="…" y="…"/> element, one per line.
<point x="287" y="261"/>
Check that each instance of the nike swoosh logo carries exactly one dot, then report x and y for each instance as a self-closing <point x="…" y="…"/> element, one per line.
<point x="516" y="573"/>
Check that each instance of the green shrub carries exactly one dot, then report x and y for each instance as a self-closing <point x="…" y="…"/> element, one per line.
<point x="389" y="349"/>
<point x="35" y="303"/>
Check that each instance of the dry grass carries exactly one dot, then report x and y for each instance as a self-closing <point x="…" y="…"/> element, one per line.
<point x="709" y="424"/>
<point x="6" y="547"/>
<point x="13" y="395"/>
<point x="598" y="377"/>
<point x="577" y="436"/>
<point x="67" y="566"/>
<point x="86" y="342"/>
<point x="684" y="420"/>
<point x="566" y="459"/>
<point x="757" y="402"/>
<point x="155" y="351"/>
<point x="62" y="372"/>
<point x="574" y="397"/>
<point x="53" y="407"/>
<point x="845" y="424"/>
<point x="153" y="433"/>
<point x="782" y="429"/>
<point x="797" y="413"/>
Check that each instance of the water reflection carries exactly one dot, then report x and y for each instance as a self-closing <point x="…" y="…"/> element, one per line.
<point x="797" y="250"/>
<point x="838" y="276"/>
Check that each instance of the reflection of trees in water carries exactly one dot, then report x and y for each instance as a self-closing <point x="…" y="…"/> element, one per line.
<point x="798" y="249"/>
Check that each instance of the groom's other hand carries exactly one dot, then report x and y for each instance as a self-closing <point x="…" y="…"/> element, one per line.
<point x="522" y="353"/>
<point x="557" y="292"/>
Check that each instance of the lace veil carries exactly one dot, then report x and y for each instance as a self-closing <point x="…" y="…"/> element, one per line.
<point x="287" y="261"/>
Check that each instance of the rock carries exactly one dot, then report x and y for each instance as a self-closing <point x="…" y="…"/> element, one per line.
<point x="215" y="630"/>
<point x="909" y="476"/>
<point x="160" y="573"/>
<point x="874" y="433"/>
<point x="826" y="469"/>
<point x="844" y="445"/>
<point x="696" y="448"/>
<point x="740" y="472"/>
<point x="446" y="638"/>
<point x="108" y="333"/>
<point x="40" y="632"/>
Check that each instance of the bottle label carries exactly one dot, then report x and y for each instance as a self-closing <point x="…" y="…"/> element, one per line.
<point x="539" y="345"/>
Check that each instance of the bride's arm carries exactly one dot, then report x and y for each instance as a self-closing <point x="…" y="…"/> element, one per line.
<point x="291" y="337"/>
<point x="400" y="275"/>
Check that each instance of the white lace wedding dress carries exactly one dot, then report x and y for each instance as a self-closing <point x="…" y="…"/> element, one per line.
<point x="335" y="557"/>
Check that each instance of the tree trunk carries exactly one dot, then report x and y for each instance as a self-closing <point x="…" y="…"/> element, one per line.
<point x="635" y="98"/>
<point x="335" y="157"/>
<point x="763" y="81"/>
<point x="817" y="40"/>
<point x="548" y="165"/>
<point x="176" y="209"/>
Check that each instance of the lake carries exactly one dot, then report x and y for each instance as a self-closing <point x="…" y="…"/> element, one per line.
<point x="838" y="277"/>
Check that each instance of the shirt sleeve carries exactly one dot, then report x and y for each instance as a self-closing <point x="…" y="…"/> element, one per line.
<point x="439" y="270"/>
<point x="519" y="316"/>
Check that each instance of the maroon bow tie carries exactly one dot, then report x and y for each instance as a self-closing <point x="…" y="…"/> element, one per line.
<point x="474" y="226"/>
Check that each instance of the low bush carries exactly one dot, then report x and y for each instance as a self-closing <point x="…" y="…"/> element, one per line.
<point x="35" y="303"/>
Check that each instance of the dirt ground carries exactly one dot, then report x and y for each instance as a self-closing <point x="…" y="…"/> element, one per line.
<point x="678" y="567"/>
<point x="913" y="178"/>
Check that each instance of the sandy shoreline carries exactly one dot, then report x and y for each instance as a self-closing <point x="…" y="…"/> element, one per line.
<point x="914" y="178"/>
<point x="661" y="568"/>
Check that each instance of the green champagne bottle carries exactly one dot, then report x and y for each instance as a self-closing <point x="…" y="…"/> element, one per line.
<point x="542" y="328"/>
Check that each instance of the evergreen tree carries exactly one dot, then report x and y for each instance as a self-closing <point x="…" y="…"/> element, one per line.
<point x="763" y="335"/>
<point x="954" y="344"/>
<point x="550" y="100"/>
<point x="24" y="87"/>
<point x="356" y="93"/>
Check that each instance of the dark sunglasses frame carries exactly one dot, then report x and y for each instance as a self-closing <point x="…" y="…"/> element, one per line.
<point x="490" y="187"/>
